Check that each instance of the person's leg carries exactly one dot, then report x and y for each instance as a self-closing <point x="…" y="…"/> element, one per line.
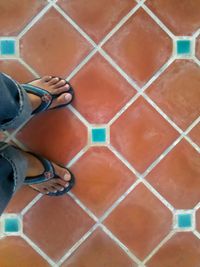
<point x="13" y="168"/>
<point x="15" y="106"/>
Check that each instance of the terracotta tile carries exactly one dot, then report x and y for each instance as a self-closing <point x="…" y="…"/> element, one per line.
<point x="195" y="134"/>
<point x="181" y="17"/>
<point x="15" y="250"/>
<point x="177" y="176"/>
<point x="198" y="220"/>
<point x="183" y="249"/>
<point x="97" y="18"/>
<point x="59" y="136"/>
<point x="198" y="47"/>
<point x="100" y="91"/>
<point x="170" y="92"/>
<point x="15" y="15"/>
<point x="104" y="176"/>
<point x="140" y="47"/>
<point x="16" y="70"/>
<point x="139" y="226"/>
<point x="139" y="134"/>
<point x="56" y="224"/>
<point x="97" y="251"/>
<point x="55" y="53"/>
<point x="21" y="199"/>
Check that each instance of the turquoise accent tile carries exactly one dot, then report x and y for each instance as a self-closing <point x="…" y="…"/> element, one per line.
<point x="184" y="220"/>
<point x="183" y="47"/>
<point x="11" y="225"/>
<point x="99" y="135"/>
<point x="7" y="47"/>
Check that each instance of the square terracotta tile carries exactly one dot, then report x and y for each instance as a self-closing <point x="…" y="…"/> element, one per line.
<point x="100" y="91"/>
<point x="177" y="92"/>
<point x="56" y="224"/>
<point x="16" y="14"/>
<point x="15" y="250"/>
<point x="55" y="53"/>
<point x="183" y="249"/>
<point x="140" y="47"/>
<point x="101" y="179"/>
<point x="97" y="251"/>
<point x="177" y="176"/>
<point x="97" y="18"/>
<point x="141" y="134"/>
<point x="139" y="226"/>
<point x="181" y="17"/>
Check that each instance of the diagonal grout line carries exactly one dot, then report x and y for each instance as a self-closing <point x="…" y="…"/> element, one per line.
<point x="31" y="203"/>
<point x="120" y="244"/>
<point x="78" y="244"/>
<point x="38" y="250"/>
<point x="119" y="24"/>
<point x="29" y="68"/>
<point x="75" y="25"/>
<point x="158" y="21"/>
<point x="167" y="238"/>
<point x="81" y="65"/>
<point x="35" y="20"/>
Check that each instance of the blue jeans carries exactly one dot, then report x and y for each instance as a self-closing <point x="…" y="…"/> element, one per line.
<point x="15" y="108"/>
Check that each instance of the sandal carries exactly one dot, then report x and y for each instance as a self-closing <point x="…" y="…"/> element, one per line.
<point x="48" y="174"/>
<point x="46" y="97"/>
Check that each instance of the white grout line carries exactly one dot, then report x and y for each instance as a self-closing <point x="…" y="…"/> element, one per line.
<point x="153" y="252"/>
<point x="77" y="244"/>
<point x="38" y="250"/>
<point x="30" y="205"/>
<point x="111" y="61"/>
<point x="35" y="20"/>
<point x="29" y="68"/>
<point x="120" y="244"/>
<point x="158" y="21"/>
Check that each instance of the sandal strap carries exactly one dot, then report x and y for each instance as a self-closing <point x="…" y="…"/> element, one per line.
<point x="48" y="173"/>
<point x="45" y="96"/>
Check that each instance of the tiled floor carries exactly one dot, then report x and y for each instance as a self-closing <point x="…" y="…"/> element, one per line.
<point x="131" y="136"/>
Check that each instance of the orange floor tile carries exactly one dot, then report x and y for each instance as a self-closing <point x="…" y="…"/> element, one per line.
<point x="131" y="136"/>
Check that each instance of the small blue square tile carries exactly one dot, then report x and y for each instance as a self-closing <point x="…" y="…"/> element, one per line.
<point x="183" y="47"/>
<point x="7" y="47"/>
<point x="11" y="225"/>
<point x="184" y="220"/>
<point x="98" y="135"/>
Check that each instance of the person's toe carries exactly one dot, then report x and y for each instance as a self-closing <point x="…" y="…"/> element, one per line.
<point x="63" y="173"/>
<point x="46" y="78"/>
<point x="61" y="100"/>
<point x="59" y="83"/>
<point x="53" y="81"/>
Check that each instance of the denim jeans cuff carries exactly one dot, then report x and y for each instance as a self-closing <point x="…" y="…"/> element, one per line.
<point x="24" y="113"/>
<point x="18" y="162"/>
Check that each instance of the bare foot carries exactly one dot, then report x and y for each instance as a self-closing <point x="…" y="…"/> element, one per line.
<point x="54" y="86"/>
<point x="35" y="167"/>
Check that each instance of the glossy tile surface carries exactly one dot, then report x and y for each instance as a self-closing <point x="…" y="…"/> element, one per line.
<point x="131" y="135"/>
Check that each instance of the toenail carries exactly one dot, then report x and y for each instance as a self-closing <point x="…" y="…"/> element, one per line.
<point x="67" y="96"/>
<point x="66" y="184"/>
<point x="66" y="177"/>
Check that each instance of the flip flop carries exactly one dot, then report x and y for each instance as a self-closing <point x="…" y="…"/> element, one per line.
<point x="48" y="174"/>
<point x="46" y="97"/>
